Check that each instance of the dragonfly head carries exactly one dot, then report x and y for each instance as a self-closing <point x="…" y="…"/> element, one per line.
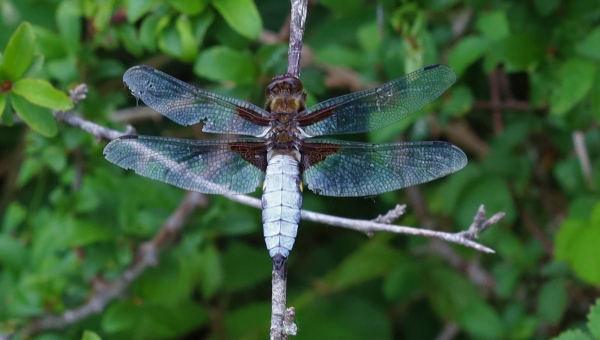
<point x="285" y="93"/>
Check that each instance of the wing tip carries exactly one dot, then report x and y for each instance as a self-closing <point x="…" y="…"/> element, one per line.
<point x="135" y="72"/>
<point x="430" y="67"/>
<point x="443" y="67"/>
<point x="461" y="157"/>
<point x="129" y="137"/>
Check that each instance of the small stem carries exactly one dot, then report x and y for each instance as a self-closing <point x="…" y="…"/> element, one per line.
<point x="297" y="22"/>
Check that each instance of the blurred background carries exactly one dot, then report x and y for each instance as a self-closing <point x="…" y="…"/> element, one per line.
<point x="524" y="109"/>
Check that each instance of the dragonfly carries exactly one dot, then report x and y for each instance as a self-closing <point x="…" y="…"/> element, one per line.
<point x="279" y="151"/>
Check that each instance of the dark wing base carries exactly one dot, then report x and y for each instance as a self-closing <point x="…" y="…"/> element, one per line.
<point x="187" y="105"/>
<point x="207" y="166"/>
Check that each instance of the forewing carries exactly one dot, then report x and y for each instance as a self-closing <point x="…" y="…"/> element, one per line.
<point x="208" y="166"/>
<point x="337" y="168"/>
<point x="375" y="108"/>
<point x="188" y="105"/>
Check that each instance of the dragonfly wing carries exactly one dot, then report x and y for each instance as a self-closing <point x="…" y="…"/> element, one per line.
<point x="188" y="105"/>
<point x="208" y="166"/>
<point x="375" y="108"/>
<point x="337" y="168"/>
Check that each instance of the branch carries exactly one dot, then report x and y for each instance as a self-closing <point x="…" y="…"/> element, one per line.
<point x="78" y="94"/>
<point x="391" y="215"/>
<point x="297" y="21"/>
<point x="464" y="238"/>
<point x="472" y="268"/>
<point x="506" y="105"/>
<point x="147" y="255"/>
<point x="497" y="119"/>
<point x="584" y="158"/>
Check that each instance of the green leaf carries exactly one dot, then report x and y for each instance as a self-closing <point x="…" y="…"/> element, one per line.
<point x="153" y="321"/>
<point x="55" y="158"/>
<point x="38" y="118"/>
<point x="89" y="335"/>
<point x="148" y="31"/>
<point x="129" y="37"/>
<point x="242" y="16"/>
<point x="594" y="320"/>
<point x="493" y="25"/>
<point x="49" y="44"/>
<point x="480" y="192"/>
<point x="456" y="299"/>
<point x="466" y="52"/>
<point x="2" y="103"/>
<point x="373" y="260"/>
<point x="507" y="277"/>
<point x="29" y="169"/>
<point x="13" y="216"/>
<point x="68" y="19"/>
<point x="248" y="320"/>
<point x="13" y="254"/>
<point x="576" y="77"/>
<point x="552" y="301"/>
<point x="211" y="271"/>
<point x="222" y="63"/>
<point x="590" y="46"/>
<point x="519" y="52"/>
<point x="178" y="40"/>
<point x="255" y="269"/>
<point x="19" y="52"/>
<point x="343" y="6"/>
<point x="481" y="320"/>
<point x="546" y="7"/>
<point x="189" y="7"/>
<point x="201" y="24"/>
<point x="42" y="93"/>
<point x="595" y="100"/>
<point x="576" y="243"/>
<point x="186" y="36"/>
<point x="340" y="56"/>
<point x="461" y="101"/>
<point x="572" y="335"/>
<point x="404" y="282"/>
<point x="137" y="8"/>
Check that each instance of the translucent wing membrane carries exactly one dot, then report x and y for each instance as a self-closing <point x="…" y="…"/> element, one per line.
<point x="375" y="108"/>
<point x="337" y="168"/>
<point x="208" y="166"/>
<point x="187" y="105"/>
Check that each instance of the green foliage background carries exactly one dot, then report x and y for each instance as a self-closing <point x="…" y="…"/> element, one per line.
<point x="71" y="219"/>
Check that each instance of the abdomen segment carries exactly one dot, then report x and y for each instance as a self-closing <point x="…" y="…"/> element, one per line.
<point x="281" y="201"/>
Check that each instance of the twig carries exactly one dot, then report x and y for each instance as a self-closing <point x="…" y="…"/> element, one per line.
<point x="505" y="105"/>
<point x="146" y="256"/>
<point x="449" y="332"/>
<point x="135" y="114"/>
<point x="481" y="223"/>
<point x="498" y="123"/>
<point x="391" y="215"/>
<point x="472" y="269"/>
<point x="297" y="21"/>
<point x="282" y="318"/>
<point x="584" y="158"/>
<point x="78" y="94"/>
<point x="464" y="238"/>
<point x="537" y="232"/>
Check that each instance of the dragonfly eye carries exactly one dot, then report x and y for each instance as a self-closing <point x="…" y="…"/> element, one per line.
<point x="284" y="85"/>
